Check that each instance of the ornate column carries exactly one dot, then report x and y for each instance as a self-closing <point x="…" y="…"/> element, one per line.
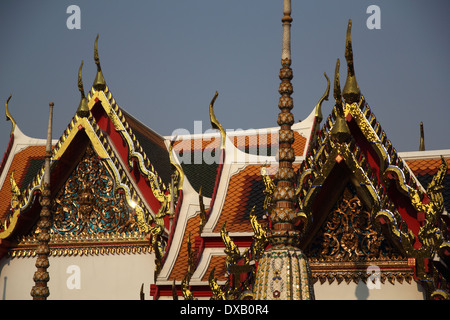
<point x="283" y="270"/>
<point x="283" y="216"/>
<point x="40" y="290"/>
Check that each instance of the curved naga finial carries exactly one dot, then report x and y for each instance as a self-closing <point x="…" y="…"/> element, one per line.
<point x="99" y="82"/>
<point x="15" y="191"/>
<point x="214" y="122"/>
<point x="83" y="109"/>
<point x="187" y="293"/>
<point x="178" y="174"/>
<point x="80" y="80"/>
<point x="429" y="234"/>
<point x="9" y="116"/>
<point x="260" y="239"/>
<point x="269" y="189"/>
<point x="217" y="292"/>
<point x="351" y="92"/>
<point x="96" y="57"/>
<point x="324" y="97"/>
<point x="203" y="214"/>
<point x="231" y="249"/>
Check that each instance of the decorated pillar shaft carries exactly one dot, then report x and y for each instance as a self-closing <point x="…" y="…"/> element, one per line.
<point x="40" y="289"/>
<point x="283" y="215"/>
<point x="283" y="271"/>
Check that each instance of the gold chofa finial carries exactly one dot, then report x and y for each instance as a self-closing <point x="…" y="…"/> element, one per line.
<point x="324" y="97"/>
<point x="337" y="84"/>
<point x="99" y="82"/>
<point x="340" y="131"/>
<point x="9" y="116"/>
<point x="83" y="109"/>
<point x="215" y="123"/>
<point x="351" y="92"/>
<point x="422" y="138"/>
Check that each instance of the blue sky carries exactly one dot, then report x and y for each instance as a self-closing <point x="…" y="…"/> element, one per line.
<point x="164" y="60"/>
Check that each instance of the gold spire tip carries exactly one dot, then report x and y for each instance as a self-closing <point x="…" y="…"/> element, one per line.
<point x="83" y="109"/>
<point x="99" y="82"/>
<point x="351" y="92"/>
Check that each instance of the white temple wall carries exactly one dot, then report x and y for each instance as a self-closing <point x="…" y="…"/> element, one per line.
<point x="360" y="291"/>
<point x="81" y="277"/>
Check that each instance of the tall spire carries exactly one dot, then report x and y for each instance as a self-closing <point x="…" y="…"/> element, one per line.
<point x="40" y="290"/>
<point x="287" y="20"/>
<point x="283" y="215"/>
<point x="283" y="271"/>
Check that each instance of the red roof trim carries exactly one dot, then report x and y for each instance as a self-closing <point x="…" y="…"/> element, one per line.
<point x="7" y="152"/>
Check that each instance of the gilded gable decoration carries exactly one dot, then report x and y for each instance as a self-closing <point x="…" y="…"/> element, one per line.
<point x="87" y="202"/>
<point x="349" y="234"/>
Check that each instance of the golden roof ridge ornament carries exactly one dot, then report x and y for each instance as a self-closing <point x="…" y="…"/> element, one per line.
<point x="422" y="138"/>
<point x="99" y="82"/>
<point x="351" y="92"/>
<point x="324" y="97"/>
<point x="83" y="109"/>
<point x="9" y="116"/>
<point x="340" y="131"/>
<point x="337" y="85"/>
<point x="215" y="123"/>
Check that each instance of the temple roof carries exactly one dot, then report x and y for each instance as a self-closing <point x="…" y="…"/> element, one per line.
<point x="226" y="167"/>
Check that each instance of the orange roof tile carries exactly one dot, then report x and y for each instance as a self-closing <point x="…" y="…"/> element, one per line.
<point x="426" y="166"/>
<point x="180" y="267"/>
<point x="196" y="144"/>
<point x="236" y="200"/>
<point x="244" y="191"/>
<point x="241" y="142"/>
<point x="217" y="262"/>
<point x="19" y="165"/>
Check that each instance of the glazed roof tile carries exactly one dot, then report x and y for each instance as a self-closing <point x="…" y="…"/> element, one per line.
<point x="426" y="166"/>
<point x="181" y="264"/>
<point x="260" y="144"/>
<point x="218" y="264"/>
<point x="25" y="165"/>
<point x="245" y="191"/>
<point x="201" y="174"/>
